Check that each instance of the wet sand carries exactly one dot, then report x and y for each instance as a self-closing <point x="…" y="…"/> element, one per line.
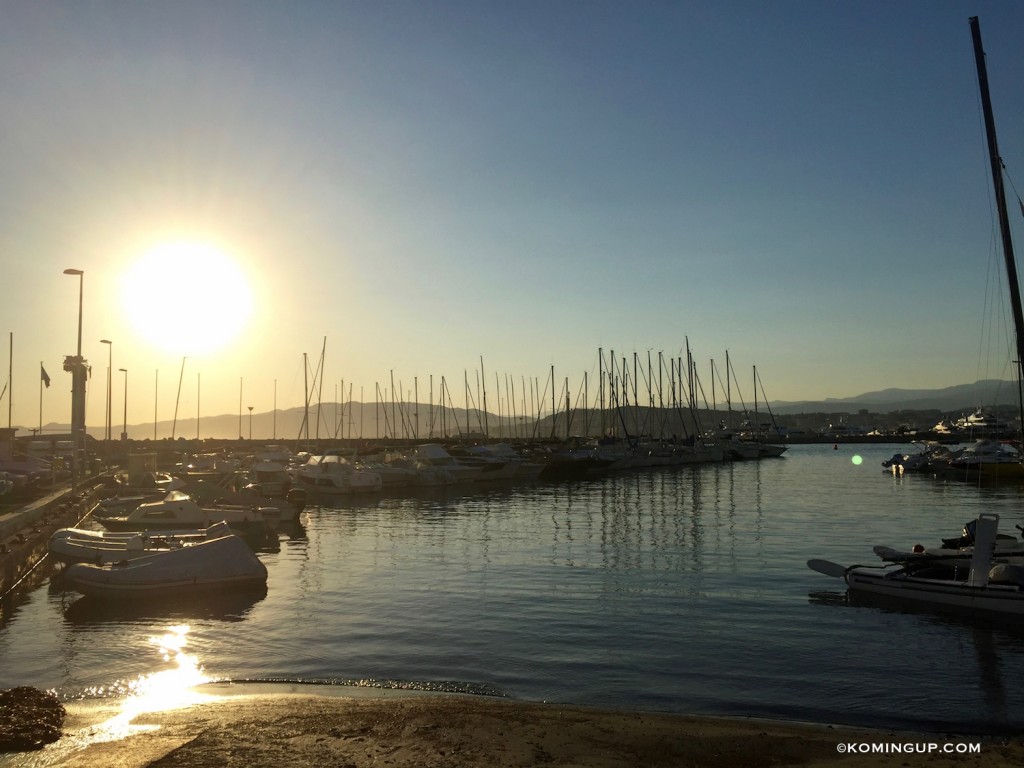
<point x="275" y="725"/>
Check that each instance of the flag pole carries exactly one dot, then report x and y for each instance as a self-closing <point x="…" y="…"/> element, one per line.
<point x="41" y="369"/>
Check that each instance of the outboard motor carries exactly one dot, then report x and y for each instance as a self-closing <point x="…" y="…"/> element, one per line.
<point x="966" y="539"/>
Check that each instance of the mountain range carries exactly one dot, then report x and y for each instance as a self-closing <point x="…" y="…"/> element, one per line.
<point x="409" y="420"/>
<point x="949" y="400"/>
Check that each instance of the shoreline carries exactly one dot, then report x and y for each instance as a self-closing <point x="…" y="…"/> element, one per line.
<point x="273" y="724"/>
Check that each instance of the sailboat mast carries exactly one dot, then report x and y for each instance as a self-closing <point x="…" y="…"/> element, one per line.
<point x="996" y="164"/>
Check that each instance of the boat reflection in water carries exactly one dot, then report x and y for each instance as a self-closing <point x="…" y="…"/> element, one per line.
<point x="229" y="606"/>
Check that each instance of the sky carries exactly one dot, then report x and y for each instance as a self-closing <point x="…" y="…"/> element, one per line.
<point x="418" y="188"/>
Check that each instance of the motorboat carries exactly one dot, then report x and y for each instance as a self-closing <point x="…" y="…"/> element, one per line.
<point x="771" y="450"/>
<point x="981" y="588"/>
<point x="76" y="545"/>
<point x="129" y="491"/>
<point x="233" y="489"/>
<point x="178" y="510"/>
<point x="739" y="450"/>
<point x="491" y="465"/>
<point x="334" y="475"/>
<point x="931" y="456"/>
<point x="956" y="552"/>
<point x="434" y="456"/>
<point x="269" y="478"/>
<point x="217" y="565"/>
<point x="989" y="459"/>
<point x="574" y="463"/>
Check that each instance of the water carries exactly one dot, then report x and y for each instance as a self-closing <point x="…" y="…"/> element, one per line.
<point x="678" y="590"/>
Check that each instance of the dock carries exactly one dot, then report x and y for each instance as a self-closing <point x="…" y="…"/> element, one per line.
<point x="26" y="529"/>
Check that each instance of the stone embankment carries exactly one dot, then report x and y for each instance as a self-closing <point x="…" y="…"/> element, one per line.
<point x="25" y="531"/>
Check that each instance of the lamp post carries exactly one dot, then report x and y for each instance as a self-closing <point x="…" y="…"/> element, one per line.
<point x="124" y="434"/>
<point x="110" y="373"/>
<point x="81" y="279"/>
<point x="250" y="422"/>
<point x="77" y="366"/>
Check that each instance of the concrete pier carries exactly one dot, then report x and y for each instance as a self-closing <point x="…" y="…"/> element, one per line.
<point x="25" y="531"/>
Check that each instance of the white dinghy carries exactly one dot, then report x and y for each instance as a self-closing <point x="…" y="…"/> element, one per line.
<point x="225" y="563"/>
<point x="956" y="552"/>
<point x="982" y="588"/>
<point x="76" y="545"/>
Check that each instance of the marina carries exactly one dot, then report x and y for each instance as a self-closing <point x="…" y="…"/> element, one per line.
<point x="668" y="589"/>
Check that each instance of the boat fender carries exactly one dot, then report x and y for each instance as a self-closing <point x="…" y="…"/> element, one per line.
<point x="918" y="549"/>
<point x="1005" y="573"/>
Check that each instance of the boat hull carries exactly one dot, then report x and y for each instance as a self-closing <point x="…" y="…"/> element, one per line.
<point x="217" y="565"/>
<point x="957" y="595"/>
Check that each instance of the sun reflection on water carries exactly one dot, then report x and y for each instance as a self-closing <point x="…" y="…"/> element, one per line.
<point x="160" y="691"/>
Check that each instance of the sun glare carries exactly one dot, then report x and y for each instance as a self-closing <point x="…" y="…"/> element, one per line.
<point x="186" y="297"/>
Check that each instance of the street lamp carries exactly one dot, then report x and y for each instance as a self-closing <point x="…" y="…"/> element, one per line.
<point x="250" y="421"/>
<point x="81" y="279"/>
<point x="110" y="372"/>
<point x="124" y="434"/>
<point x="76" y="366"/>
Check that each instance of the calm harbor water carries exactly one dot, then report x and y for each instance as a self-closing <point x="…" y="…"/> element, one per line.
<point x="680" y="590"/>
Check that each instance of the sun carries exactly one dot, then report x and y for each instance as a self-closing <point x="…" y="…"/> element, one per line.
<point x="186" y="297"/>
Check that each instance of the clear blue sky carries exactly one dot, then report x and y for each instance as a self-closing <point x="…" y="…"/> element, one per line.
<point x="803" y="184"/>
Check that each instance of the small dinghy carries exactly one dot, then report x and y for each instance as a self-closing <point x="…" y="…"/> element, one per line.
<point x="982" y="588"/>
<point x="75" y="545"/>
<point x="222" y="564"/>
<point x="956" y="552"/>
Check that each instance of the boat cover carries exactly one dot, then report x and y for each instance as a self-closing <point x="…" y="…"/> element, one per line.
<point x="223" y="563"/>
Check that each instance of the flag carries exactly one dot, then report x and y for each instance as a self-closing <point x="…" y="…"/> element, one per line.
<point x="44" y="376"/>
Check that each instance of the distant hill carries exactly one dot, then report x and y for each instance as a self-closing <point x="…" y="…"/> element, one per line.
<point x="988" y="393"/>
<point x="425" y="422"/>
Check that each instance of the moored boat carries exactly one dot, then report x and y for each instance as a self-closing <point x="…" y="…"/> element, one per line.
<point x="75" y="545"/>
<point x="956" y="552"/>
<point x="333" y="475"/>
<point x="179" y="510"/>
<point x="983" y="588"/>
<point x="218" y="565"/>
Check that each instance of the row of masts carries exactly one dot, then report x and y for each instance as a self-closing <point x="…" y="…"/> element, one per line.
<point x="662" y="398"/>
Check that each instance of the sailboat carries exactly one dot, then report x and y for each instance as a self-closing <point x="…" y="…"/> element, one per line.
<point x="987" y="586"/>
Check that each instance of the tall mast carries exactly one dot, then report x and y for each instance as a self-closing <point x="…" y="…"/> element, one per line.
<point x="483" y="399"/>
<point x="997" y="179"/>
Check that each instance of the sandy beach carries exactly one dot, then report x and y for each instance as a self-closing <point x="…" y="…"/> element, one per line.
<point x="353" y="728"/>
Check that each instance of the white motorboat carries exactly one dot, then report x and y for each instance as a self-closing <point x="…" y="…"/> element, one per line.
<point x="132" y="490"/>
<point x="434" y="456"/>
<point x="221" y="564"/>
<point x="983" y="588"/>
<point x="491" y="465"/>
<point x="179" y="510"/>
<point x="268" y="478"/>
<point x="334" y="475"/>
<point x="987" y="459"/>
<point x="231" y="490"/>
<point x="76" y="545"/>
